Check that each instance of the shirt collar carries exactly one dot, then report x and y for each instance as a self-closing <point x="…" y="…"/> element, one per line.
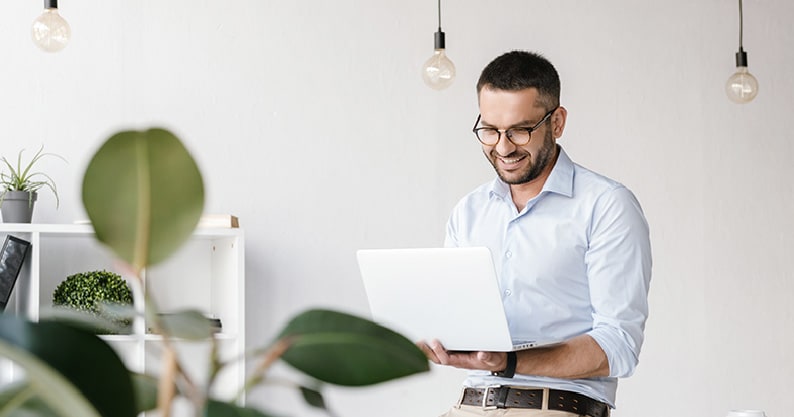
<point x="560" y="179"/>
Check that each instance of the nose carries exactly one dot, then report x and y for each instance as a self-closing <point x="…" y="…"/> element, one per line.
<point x="504" y="147"/>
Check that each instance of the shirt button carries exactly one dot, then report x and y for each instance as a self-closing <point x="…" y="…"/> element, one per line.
<point x="508" y="254"/>
<point x="507" y="293"/>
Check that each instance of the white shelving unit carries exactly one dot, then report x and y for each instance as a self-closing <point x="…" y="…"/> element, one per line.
<point x="207" y="274"/>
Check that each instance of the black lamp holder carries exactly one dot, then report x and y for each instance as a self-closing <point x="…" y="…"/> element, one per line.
<point x="50" y="4"/>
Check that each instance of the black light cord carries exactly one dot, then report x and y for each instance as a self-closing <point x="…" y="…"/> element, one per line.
<point x="439" y="36"/>
<point x="741" y="23"/>
<point x="741" y="56"/>
<point x="439" y="14"/>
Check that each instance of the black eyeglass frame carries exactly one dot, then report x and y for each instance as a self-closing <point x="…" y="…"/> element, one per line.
<point x="508" y="133"/>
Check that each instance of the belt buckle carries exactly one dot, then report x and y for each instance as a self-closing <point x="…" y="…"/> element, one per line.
<point x="485" y="398"/>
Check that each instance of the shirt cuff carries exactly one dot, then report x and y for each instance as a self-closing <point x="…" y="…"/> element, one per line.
<point x="622" y="353"/>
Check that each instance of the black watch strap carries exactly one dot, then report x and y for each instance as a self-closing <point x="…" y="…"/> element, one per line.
<point x="510" y="369"/>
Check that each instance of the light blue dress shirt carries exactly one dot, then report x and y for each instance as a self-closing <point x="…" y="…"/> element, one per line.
<point x="576" y="260"/>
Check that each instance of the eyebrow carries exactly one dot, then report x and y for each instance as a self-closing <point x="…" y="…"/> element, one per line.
<point x="525" y="123"/>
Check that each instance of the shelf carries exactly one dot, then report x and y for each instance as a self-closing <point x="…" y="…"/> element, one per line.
<point x="53" y="229"/>
<point x="157" y="338"/>
<point x="49" y="229"/>
<point x="206" y="274"/>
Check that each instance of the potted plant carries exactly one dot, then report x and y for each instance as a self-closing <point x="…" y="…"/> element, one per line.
<point x="20" y="187"/>
<point x="328" y="346"/>
<point x="92" y="292"/>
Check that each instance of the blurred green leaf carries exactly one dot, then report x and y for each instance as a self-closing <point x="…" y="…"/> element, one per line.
<point x="68" y="362"/>
<point x="145" y="387"/>
<point x="144" y="195"/>
<point x="51" y="388"/>
<point x="96" y="324"/>
<point x="187" y="324"/>
<point x="342" y="349"/>
<point x="222" y="409"/>
<point x="313" y="397"/>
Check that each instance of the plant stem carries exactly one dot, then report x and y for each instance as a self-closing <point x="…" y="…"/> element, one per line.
<point x="270" y="356"/>
<point x="171" y="368"/>
<point x="19" y="399"/>
<point x="165" y="388"/>
<point x="215" y="363"/>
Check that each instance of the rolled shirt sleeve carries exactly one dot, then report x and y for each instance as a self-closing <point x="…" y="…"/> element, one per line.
<point x="618" y="262"/>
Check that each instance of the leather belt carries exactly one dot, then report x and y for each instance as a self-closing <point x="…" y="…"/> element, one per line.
<point x="509" y="397"/>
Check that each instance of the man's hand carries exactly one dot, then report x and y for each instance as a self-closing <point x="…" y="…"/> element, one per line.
<point x="488" y="361"/>
<point x="580" y="357"/>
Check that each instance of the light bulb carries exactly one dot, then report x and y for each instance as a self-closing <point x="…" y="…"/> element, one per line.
<point x="50" y="31"/>
<point x="438" y="71"/>
<point x="741" y="87"/>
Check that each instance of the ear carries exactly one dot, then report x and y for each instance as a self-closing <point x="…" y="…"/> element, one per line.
<point x="558" y="122"/>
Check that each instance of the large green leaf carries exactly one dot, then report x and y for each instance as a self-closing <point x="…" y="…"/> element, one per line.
<point x="82" y="369"/>
<point x="342" y="349"/>
<point x="144" y="195"/>
<point x="221" y="409"/>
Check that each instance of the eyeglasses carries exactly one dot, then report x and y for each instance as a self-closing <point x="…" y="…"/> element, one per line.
<point x="518" y="135"/>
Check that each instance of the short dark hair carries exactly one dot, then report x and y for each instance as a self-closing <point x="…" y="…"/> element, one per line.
<point x="519" y="70"/>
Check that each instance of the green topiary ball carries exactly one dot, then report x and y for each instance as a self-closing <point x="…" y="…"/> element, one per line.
<point x="85" y="291"/>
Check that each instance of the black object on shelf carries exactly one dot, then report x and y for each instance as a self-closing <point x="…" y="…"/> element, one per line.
<point x="215" y="324"/>
<point x="11" y="258"/>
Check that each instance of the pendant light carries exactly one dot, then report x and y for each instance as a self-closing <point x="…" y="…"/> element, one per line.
<point x="742" y="87"/>
<point x="50" y="31"/>
<point x="438" y="71"/>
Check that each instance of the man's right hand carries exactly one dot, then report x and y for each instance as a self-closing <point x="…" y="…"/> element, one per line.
<point x="486" y="361"/>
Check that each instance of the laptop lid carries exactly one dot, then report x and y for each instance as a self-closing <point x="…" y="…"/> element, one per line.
<point x="449" y="294"/>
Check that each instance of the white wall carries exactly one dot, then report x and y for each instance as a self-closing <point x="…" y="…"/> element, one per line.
<point x="310" y="122"/>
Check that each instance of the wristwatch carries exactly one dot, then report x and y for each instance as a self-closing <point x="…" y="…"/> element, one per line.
<point x="510" y="369"/>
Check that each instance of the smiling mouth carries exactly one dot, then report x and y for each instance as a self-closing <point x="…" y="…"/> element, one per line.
<point x="511" y="162"/>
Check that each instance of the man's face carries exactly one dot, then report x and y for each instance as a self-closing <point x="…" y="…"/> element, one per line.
<point x="503" y="110"/>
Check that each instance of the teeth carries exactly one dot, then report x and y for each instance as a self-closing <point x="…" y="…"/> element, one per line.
<point x="511" y="160"/>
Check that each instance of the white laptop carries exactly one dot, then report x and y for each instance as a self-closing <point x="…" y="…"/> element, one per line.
<point x="449" y="294"/>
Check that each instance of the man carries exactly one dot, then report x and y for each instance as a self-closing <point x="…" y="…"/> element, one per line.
<point x="571" y="249"/>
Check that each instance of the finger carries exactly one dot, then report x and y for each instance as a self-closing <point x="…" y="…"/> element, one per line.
<point x="491" y="360"/>
<point x="431" y="355"/>
<point x="439" y="351"/>
<point x="484" y="357"/>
